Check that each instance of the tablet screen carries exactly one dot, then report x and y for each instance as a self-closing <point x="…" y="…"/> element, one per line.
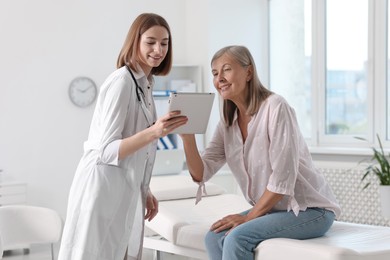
<point x="196" y="106"/>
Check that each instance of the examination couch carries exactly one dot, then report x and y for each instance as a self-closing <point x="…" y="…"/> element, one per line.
<point x="180" y="227"/>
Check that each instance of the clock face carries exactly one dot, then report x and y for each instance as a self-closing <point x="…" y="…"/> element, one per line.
<point x="82" y="91"/>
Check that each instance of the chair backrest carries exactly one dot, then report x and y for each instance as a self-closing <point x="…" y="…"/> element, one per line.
<point x="1" y="248"/>
<point x="22" y="225"/>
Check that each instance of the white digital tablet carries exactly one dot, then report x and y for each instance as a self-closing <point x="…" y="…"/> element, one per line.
<point x="196" y="106"/>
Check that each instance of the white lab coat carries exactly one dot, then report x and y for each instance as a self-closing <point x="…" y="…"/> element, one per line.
<point x="106" y="205"/>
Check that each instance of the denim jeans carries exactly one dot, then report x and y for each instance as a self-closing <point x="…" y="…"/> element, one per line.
<point x="240" y="243"/>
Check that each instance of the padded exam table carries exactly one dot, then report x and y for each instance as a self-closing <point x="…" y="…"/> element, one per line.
<point x="180" y="227"/>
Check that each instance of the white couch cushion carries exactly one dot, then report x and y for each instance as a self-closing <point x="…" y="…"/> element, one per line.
<point x="184" y="223"/>
<point x="344" y="241"/>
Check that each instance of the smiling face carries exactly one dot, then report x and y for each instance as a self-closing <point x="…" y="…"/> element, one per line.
<point x="230" y="78"/>
<point x="153" y="48"/>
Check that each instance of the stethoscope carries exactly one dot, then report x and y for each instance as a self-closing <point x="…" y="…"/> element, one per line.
<point x="141" y="99"/>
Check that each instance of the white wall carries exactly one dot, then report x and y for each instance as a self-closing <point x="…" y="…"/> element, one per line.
<point x="45" y="44"/>
<point x="233" y="23"/>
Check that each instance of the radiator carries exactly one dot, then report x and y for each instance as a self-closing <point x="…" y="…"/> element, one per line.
<point x="358" y="205"/>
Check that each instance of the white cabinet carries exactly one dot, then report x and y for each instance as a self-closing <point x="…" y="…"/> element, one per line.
<point x="182" y="78"/>
<point x="12" y="193"/>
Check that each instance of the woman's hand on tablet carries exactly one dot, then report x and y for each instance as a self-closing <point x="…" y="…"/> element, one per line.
<point x="169" y="122"/>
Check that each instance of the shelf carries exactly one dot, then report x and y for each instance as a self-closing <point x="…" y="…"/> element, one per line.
<point x="182" y="78"/>
<point x="12" y="193"/>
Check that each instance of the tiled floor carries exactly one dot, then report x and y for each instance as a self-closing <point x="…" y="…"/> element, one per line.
<point x="43" y="253"/>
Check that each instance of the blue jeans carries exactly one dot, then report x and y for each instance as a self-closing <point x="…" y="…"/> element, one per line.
<point x="240" y="243"/>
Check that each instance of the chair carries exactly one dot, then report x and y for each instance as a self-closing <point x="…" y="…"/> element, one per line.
<point x="22" y="225"/>
<point x="1" y="248"/>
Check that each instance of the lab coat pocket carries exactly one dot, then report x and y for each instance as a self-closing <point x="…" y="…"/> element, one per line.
<point x="109" y="189"/>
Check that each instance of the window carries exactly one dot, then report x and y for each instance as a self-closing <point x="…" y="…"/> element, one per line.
<point x="388" y="75"/>
<point x="346" y="111"/>
<point x="327" y="58"/>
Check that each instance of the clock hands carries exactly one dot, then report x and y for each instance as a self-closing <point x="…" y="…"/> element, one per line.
<point x="84" y="90"/>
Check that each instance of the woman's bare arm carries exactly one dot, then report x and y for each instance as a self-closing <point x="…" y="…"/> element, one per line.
<point x="193" y="159"/>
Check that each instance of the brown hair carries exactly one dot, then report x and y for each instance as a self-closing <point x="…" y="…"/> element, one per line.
<point x="256" y="93"/>
<point x="129" y="51"/>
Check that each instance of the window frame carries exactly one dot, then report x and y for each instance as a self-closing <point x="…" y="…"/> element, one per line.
<point x="377" y="88"/>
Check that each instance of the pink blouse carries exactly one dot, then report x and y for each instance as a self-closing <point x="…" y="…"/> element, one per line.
<point x="274" y="157"/>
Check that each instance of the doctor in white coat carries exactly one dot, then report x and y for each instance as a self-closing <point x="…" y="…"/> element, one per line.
<point x="110" y="197"/>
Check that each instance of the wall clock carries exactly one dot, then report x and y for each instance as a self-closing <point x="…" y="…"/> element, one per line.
<point x="82" y="91"/>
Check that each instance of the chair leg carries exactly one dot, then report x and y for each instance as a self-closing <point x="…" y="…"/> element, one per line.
<point x="158" y="255"/>
<point x="52" y="251"/>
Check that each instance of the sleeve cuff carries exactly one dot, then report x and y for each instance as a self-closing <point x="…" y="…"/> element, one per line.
<point x="110" y="153"/>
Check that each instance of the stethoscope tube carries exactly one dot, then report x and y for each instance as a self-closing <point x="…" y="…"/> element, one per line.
<point x="141" y="99"/>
